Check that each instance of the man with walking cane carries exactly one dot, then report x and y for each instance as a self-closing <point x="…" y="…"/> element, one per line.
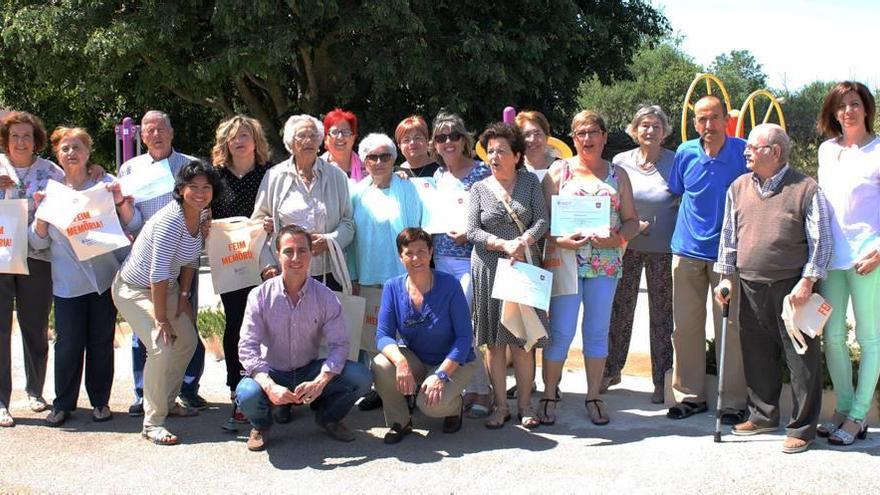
<point x="776" y="237"/>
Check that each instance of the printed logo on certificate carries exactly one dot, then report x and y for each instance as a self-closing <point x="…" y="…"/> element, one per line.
<point x="586" y="215"/>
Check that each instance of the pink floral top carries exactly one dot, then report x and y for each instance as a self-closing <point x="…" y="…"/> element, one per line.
<point x="596" y="262"/>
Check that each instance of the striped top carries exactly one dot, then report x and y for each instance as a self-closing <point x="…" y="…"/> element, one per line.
<point x="162" y="248"/>
<point x="150" y="207"/>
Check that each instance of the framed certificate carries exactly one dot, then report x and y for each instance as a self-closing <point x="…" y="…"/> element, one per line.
<point x="587" y="215"/>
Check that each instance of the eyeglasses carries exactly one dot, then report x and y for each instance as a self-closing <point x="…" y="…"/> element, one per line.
<point x="306" y="136"/>
<point x="588" y="134"/>
<point x="340" y="133"/>
<point x="410" y="140"/>
<point x="385" y="157"/>
<point x="754" y="149"/>
<point x="533" y="135"/>
<point x="453" y="136"/>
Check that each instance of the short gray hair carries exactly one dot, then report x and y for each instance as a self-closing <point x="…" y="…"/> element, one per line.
<point x="649" y="111"/>
<point x="157" y="113"/>
<point x="373" y="141"/>
<point x="775" y="134"/>
<point x="296" y="120"/>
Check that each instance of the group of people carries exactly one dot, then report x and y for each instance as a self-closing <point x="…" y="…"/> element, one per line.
<point x="720" y="212"/>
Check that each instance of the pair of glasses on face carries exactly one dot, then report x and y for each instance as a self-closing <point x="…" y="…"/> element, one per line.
<point x="755" y="149"/>
<point x="588" y="134"/>
<point x="410" y="140"/>
<point x="453" y="136"/>
<point x="306" y="136"/>
<point x="340" y="133"/>
<point x="384" y="157"/>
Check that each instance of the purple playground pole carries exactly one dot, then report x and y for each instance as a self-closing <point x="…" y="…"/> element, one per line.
<point x="509" y="115"/>
<point x="127" y="136"/>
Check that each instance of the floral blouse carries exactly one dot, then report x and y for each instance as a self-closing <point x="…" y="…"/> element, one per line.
<point x="30" y="180"/>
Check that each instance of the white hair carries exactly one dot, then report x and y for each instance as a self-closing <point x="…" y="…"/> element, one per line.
<point x="373" y="141"/>
<point x="293" y="122"/>
<point x="649" y="111"/>
<point x="157" y="113"/>
<point x="775" y="134"/>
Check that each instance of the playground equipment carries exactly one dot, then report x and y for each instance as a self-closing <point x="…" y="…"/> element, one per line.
<point x="751" y="107"/>
<point x="128" y="137"/>
<point x="561" y="149"/>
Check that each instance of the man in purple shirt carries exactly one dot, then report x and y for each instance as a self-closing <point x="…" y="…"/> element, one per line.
<point x="289" y="316"/>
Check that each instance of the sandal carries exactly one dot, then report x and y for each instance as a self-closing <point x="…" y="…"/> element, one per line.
<point x="158" y="435"/>
<point x="101" y="414"/>
<point x="497" y="419"/>
<point x="547" y="417"/>
<point x="825" y="430"/>
<point x="527" y="418"/>
<point x="843" y="437"/>
<point x="599" y="418"/>
<point x="56" y="418"/>
<point x="6" y="420"/>
<point x="686" y="409"/>
<point x="182" y="411"/>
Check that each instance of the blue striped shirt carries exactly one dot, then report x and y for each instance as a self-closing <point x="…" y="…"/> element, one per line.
<point x="150" y="207"/>
<point x="162" y="248"/>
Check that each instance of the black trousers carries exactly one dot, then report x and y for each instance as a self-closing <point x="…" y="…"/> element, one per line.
<point x="765" y="343"/>
<point x="234" y="304"/>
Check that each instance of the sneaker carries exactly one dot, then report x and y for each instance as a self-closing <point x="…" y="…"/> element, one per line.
<point x="370" y="401"/>
<point x="136" y="408"/>
<point x="231" y="423"/>
<point x="338" y="431"/>
<point x="256" y="441"/>
<point x="194" y="401"/>
<point x="37" y="403"/>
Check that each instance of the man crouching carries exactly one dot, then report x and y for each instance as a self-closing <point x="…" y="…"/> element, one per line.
<point x="289" y="316"/>
<point x="776" y="237"/>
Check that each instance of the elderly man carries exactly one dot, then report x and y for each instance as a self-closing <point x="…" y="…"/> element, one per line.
<point x="702" y="171"/>
<point x="157" y="134"/>
<point x="776" y="236"/>
<point x="286" y="319"/>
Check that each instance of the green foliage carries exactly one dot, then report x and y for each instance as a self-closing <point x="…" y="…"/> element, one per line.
<point x="211" y="322"/>
<point x="94" y="61"/>
<point x="741" y="74"/>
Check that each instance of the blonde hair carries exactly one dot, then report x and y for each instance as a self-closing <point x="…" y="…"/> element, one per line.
<point x="227" y="130"/>
<point x="61" y="133"/>
<point x="585" y="117"/>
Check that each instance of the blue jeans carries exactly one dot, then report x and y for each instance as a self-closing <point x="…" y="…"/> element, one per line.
<point x="337" y="398"/>
<point x="597" y="296"/>
<point x="190" y="385"/>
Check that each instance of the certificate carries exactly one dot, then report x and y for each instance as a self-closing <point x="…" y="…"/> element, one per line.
<point x="148" y="182"/>
<point x="61" y="205"/>
<point x="523" y="283"/>
<point x="587" y="215"/>
<point x="444" y="209"/>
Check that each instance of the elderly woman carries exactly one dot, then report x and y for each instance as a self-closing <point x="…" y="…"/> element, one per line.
<point x="341" y="127"/>
<point x="599" y="261"/>
<point x="536" y="132"/>
<point x="453" y="147"/>
<point x="849" y="175"/>
<point x="433" y="357"/>
<point x="507" y="216"/>
<point x="307" y="191"/>
<point x="412" y="137"/>
<point x="383" y="205"/>
<point x="648" y="167"/>
<point x="23" y="173"/>
<point x="152" y="291"/>
<point x="85" y="317"/>
<point x="241" y="155"/>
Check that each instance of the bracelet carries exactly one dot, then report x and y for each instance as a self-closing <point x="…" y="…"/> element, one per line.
<point x="184" y="293"/>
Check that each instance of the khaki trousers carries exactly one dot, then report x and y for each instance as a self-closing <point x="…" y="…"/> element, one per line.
<point x="692" y="281"/>
<point x="394" y="403"/>
<point x="166" y="364"/>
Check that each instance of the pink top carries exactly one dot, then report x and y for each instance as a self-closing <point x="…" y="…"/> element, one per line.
<point x="357" y="173"/>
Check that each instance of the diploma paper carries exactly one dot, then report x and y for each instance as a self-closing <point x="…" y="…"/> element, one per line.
<point x="444" y="209"/>
<point x="148" y="182"/>
<point x="61" y="205"/>
<point x="587" y="215"/>
<point x="523" y="283"/>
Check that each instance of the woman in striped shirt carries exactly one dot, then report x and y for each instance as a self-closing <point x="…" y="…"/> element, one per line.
<point x="152" y="288"/>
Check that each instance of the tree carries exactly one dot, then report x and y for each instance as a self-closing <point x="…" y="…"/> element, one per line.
<point x="741" y="74"/>
<point x="383" y="59"/>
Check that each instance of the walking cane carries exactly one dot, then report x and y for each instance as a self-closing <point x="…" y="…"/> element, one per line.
<point x="725" y="310"/>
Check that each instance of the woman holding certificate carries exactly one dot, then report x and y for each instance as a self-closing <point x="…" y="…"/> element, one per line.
<point x="23" y="173"/>
<point x="85" y="317"/>
<point x="506" y="218"/>
<point x="598" y="255"/>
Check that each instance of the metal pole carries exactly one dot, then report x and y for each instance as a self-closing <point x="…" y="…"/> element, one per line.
<point x="725" y="311"/>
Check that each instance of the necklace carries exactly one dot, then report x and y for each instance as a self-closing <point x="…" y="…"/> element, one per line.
<point x="22" y="179"/>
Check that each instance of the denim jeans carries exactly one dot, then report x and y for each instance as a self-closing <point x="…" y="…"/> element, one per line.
<point x="337" y="398"/>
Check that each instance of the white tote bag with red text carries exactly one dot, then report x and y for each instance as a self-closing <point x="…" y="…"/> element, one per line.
<point x="233" y="248"/>
<point x="13" y="236"/>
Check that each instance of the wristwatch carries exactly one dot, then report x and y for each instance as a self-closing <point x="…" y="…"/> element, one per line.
<point x="443" y="376"/>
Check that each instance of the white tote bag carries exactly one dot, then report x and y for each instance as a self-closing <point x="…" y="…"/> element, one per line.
<point x="95" y="229"/>
<point x="13" y="236"/>
<point x="352" y="306"/>
<point x="233" y="249"/>
<point x="562" y="263"/>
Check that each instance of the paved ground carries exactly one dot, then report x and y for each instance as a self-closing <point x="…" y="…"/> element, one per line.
<point x="639" y="452"/>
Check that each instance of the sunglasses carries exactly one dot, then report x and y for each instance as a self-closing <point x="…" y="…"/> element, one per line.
<point x="453" y="136"/>
<point x="378" y="157"/>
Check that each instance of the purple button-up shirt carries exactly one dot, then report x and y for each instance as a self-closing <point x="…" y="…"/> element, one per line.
<point x="283" y="336"/>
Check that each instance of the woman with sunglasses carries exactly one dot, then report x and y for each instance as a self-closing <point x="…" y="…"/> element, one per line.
<point x="453" y="147"/>
<point x="340" y="133"/>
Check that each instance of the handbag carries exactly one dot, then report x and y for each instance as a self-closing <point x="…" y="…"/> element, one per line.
<point x="353" y="307"/>
<point x="233" y="249"/>
<point x="562" y="263"/>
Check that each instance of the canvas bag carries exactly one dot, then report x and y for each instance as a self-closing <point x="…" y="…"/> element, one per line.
<point x="96" y="229"/>
<point x="13" y="236"/>
<point x="233" y="247"/>
<point x="562" y="263"/>
<point x="352" y="306"/>
<point x="520" y="320"/>
<point x="808" y="319"/>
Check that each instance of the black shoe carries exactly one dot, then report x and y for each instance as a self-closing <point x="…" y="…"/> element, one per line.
<point x="193" y="401"/>
<point x="733" y="417"/>
<point x="512" y="394"/>
<point x="282" y="414"/>
<point x="370" y="401"/>
<point x="338" y="431"/>
<point x="136" y="408"/>
<point x="452" y="424"/>
<point x="397" y="432"/>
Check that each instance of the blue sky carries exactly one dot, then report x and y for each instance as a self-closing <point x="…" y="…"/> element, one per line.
<point x="796" y="42"/>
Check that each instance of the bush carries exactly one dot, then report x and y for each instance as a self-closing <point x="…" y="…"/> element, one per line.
<point x="211" y="322"/>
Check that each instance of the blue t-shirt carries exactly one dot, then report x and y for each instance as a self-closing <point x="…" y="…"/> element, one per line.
<point x="442" y="329"/>
<point x="702" y="183"/>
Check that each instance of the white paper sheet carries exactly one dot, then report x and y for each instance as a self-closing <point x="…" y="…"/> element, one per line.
<point x="523" y="283"/>
<point x="587" y="215"/>
<point x="148" y="182"/>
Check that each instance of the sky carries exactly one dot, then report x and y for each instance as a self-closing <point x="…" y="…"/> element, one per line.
<point x="795" y="41"/>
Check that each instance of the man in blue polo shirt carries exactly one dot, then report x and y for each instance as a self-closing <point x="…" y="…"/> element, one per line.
<point x="703" y="170"/>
